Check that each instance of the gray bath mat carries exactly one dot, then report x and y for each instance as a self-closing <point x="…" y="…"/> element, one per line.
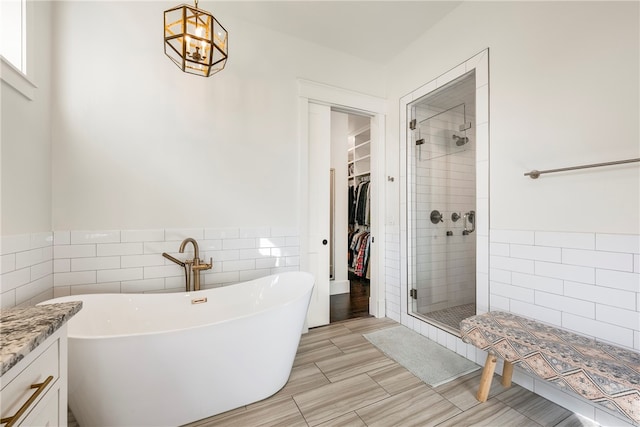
<point x="426" y="359"/>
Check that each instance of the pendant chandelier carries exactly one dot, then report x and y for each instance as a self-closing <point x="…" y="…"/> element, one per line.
<point x="194" y="40"/>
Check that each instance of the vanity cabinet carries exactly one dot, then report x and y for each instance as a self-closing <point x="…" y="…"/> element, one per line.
<point x="34" y="391"/>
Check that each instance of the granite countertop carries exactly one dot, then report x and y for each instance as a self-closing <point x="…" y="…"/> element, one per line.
<point x="23" y="329"/>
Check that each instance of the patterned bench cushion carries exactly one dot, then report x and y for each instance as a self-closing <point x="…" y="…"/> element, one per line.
<point x="600" y="372"/>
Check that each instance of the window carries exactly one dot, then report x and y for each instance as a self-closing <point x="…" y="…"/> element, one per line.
<point x="12" y="33"/>
<point x="14" y="15"/>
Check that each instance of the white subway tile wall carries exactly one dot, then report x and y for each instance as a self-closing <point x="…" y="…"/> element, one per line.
<point x="26" y="269"/>
<point x="585" y="282"/>
<point x="96" y="261"/>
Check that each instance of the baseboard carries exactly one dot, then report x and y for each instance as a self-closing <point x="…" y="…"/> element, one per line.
<point x="339" y="287"/>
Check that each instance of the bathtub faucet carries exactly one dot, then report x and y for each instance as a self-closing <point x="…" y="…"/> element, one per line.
<point x="196" y="264"/>
<point x="191" y="267"/>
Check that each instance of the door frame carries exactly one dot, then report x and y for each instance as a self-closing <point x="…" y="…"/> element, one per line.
<point x="346" y="101"/>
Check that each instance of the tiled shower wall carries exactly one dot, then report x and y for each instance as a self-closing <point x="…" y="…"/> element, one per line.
<point x="444" y="266"/>
<point x="42" y="266"/>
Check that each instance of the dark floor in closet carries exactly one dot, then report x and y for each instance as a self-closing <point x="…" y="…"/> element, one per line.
<point x="351" y="305"/>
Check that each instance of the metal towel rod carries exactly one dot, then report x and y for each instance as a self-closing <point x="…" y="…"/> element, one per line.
<point x="534" y="174"/>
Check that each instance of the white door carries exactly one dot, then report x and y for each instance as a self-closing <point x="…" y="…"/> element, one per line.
<point x="319" y="163"/>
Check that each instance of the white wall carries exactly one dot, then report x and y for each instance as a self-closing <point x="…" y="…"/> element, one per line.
<point x="26" y="137"/>
<point x="563" y="91"/>
<point x="139" y="144"/>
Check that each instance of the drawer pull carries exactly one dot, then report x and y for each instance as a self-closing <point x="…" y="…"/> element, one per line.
<point x="9" y="421"/>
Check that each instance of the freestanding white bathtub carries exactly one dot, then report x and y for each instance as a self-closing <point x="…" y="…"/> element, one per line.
<point x="167" y="359"/>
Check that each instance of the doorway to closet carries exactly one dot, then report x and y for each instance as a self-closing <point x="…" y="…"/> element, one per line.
<point x="350" y="216"/>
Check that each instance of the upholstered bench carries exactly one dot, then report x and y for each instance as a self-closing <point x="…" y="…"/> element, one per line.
<point x="602" y="373"/>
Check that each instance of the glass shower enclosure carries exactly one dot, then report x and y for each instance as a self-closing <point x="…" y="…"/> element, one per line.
<point x="441" y="187"/>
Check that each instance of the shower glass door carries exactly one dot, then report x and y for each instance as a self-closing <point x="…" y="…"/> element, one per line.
<point x="442" y="196"/>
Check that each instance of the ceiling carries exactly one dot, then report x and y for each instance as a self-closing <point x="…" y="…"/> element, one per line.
<point x="371" y="30"/>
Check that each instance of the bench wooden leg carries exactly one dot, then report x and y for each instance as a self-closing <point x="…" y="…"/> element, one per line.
<point x="507" y="373"/>
<point x="487" y="376"/>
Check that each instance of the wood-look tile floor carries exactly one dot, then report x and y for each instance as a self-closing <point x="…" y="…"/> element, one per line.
<point x="340" y="379"/>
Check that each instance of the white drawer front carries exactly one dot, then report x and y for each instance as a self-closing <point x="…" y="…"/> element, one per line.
<point x="19" y="390"/>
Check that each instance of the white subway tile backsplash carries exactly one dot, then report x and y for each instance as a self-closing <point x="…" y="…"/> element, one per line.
<point x="74" y="278"/>
<point x="253" y="274"/>
<point x="292" y="241"/>
<point x="565" y="272"/>
<point x="512" y="264"/>
<point x="111" y="249"/>
<point x="616" y="316"/>
<point x="159" y="247"/>
<point x="131" y="236"/>
<point x="96" y="263"/>
<point x="248" y="232"/>
<point x="40" y="240"/>
<point x="153" y="272"/>
<point x="61" y="265"/>
<point x="254" y="253"/>
<point x="7" y="263"/>
<point x="15" y="278"/>
<point x="180" y="234"/>
<point x="512" y="292"/>
<point x="105" y="236"/>
<point x="221" y="278"/>
<point x="498" y="302"/>
<point x="145" y="285"/>
<point x="594" y="328"/>
<point x="88" y="261"/>
<point x="96" y="288"/>
<point x="537" y="253"/>
<point x="120" y="274"/>
<point x="28" y="258"/>
<point x="533" y="311"/>
<point x="74" y="251"/>
<point x="238" y="244"/>
<point x="147" y="260"/>
<point x="271" y="242"/>
<point x="263" y="263"/>
<point x="618" y="280"/>
<point x="565" y="240"/>
<point x="41" y="270"/>
<point x="531" y="281"/>
<point x="618" y="243"/>
<point x="61" y="237"/>
<point x="599" y="259"/>
<point x="15" y="243"/>
<point x="607" y="296"/>
<point x="502" y="276"/>
<point x="210" y="245"/>
<point x="239" y="265"/>
<point x="595" y="284"/>
<point x="34" y="289"/>
<point x="512" y="236"/>
<point x="566" y="304"/>
<point x="221" y="233"/>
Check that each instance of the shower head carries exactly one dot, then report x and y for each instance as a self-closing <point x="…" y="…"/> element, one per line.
<point x="460" y="140"/>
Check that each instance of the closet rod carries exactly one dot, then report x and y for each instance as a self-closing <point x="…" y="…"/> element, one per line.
<point x="534" y="174"/>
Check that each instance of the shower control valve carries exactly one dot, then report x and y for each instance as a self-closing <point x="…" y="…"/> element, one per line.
<point x="436" y="217"/>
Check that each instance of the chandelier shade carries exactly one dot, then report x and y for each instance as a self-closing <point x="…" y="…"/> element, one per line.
<point x="194" y="40"/>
